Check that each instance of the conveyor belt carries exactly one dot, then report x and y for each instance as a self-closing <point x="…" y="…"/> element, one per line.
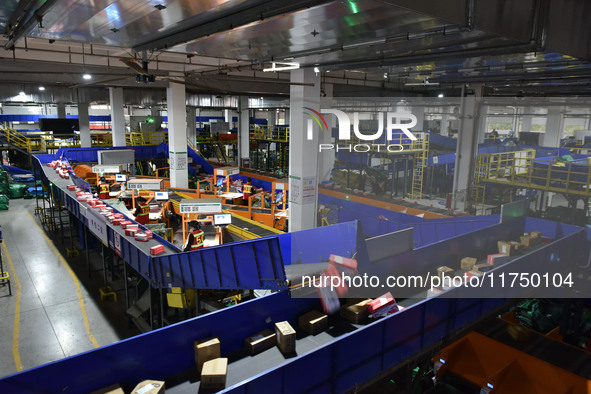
<point x="384" y="202"/>
<point x="243" y="366"/>
<point x="53" y="177"/>
<point x="238" y="221"/>
<point x="251" y="226"/>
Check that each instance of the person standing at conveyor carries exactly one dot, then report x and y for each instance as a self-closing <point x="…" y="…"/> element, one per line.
<point x="104" y="189"/>
<point x="196" y="237"/>
<point x="142" y="211"/>
<point x="247" y="190"/>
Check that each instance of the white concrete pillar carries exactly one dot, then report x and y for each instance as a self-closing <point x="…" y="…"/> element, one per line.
<point x="526" y="119"/>
<point x="419" y="112"/>
<point x="117" y="116"/>
<point x="482" y="123"/>
<point x="243" y="129"/>
<point x="554" y="123"/>
<point x="192" y="125"/>
<point x="177" y="135"/>
<point x="326" y="158"/>
<point x="84" y="122"/>
<point x="303" y="153"/>
<point x="61" y="110"/>
<point x="466" y="149"/>
<point x="272" y="118"/>
<point x="444" y="129"/>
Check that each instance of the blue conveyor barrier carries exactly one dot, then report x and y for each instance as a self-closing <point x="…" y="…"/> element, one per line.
<point x="338" y="366"/>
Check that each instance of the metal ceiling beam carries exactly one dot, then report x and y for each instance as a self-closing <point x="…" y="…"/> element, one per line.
<point x="223" y="20"/>
<point x="25" y="28"/>
<point x="521" y="20"/>
<point x="20" y="14"/>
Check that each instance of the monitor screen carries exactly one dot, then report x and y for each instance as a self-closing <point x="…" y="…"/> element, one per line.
<point x="222" y="219"/>
<point x="220" y="182"/>
<point x="161" y="196"/>
<point x="120" y="178"/>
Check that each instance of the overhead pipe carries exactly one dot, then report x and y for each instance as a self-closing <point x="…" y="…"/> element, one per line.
<point x="539" y="18"/>
<point x="24" y="29"/>
<point x="23" y="9"/>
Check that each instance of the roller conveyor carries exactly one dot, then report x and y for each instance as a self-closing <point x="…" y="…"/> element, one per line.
<point x="251" y="226"/>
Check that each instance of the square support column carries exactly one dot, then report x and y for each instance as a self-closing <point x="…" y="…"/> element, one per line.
<point x="84" y="121"/>
<point x="303" y="152"/>
<point x="117" y="116"/>
<point x="177" y="135"/>
<point x="243" y="129"/>
<point x="466" y="149"/>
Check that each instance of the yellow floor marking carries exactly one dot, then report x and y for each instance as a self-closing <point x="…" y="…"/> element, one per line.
<point x="76" y="282"/>
<point x="17" y="311"/>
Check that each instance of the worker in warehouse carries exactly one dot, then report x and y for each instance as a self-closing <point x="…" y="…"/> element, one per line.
<point x="196" y="237"/>
<point x="104" y="189"/>
<point x="142" y="211"/>
<point x="247" y="190"/>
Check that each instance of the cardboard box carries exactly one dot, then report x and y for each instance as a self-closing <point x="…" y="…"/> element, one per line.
<point x="535" y="234"/>
<point x="343" y="261"/>
<point x="133" y="225"/>
<point x="154" y="250"/>
<point x="356" y="311"/>
<point x="140" y="236"/>
<point x="149" y="234"/>
<point x="382" y="301"/>
<point x="444" y="271"/>
<point x="260" y="342"/>
<point x="117" y="222"/>
<point x="130" y="232"/>
<point x="213" y="375"/>
<point x="313" y="322"/>
<point x="205" y="350"/>
<point x="496" y="259"/>
<point x="124" y="223"/>
<point x="516" y="245"/>
<point x="71" y="187"/>
<point x="112" y="389"/>
<point x="506" y="248"/>
<point x="525" y="240"/>
<point x="467" y="263"/>
<point x="286" y="337"/>
<point x="118" y="215"/>
<point x="149" y="387"/>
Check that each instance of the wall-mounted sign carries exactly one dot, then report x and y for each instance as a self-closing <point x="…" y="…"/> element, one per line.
<point x="107" y="169"/>
<point x="201" y="205"/>
<point x="97" y="224"/>
<point x="144" y="184"/>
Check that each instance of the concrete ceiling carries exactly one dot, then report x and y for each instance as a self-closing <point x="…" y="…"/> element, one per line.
<point x="363" y="47"/>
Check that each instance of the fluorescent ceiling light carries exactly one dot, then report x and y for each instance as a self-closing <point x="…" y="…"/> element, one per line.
<point x="424" y="83"/>
<point x="41" y="88"/>
<point x="440" y="95"/>
<point x="282" y="66"/>
<point x="87" y="76"/>
<point x="316" y="70"/>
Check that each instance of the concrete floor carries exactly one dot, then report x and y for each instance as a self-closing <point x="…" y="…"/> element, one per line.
<point x="51" y="314"/>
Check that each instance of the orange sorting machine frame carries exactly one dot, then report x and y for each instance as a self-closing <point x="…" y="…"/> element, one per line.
<point x="382" y="204"/>
<point x="504" y="369"/>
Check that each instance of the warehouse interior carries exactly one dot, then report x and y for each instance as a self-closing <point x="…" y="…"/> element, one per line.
<point x="228" y="196"/>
